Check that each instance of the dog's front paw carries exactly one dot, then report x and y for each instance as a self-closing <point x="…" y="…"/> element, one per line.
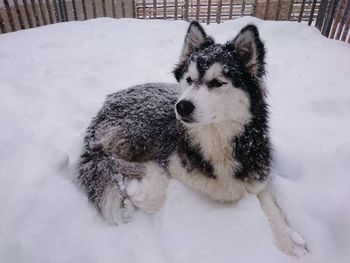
<point x="149" y="193"/>
<point x="115" y="208"/>
<point x="293" y="244"/>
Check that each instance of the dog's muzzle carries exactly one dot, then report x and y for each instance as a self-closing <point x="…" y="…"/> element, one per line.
<point x="185" y="108"/>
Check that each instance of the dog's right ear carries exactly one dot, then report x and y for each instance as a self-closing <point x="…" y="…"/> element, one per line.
<point x="194" y="38"/>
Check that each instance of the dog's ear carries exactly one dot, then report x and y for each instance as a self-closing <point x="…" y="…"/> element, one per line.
<point x="250" y="50"/>
<point x="194" y="38"/>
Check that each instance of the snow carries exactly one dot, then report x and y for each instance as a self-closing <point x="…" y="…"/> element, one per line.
<point x="55" y="78"/>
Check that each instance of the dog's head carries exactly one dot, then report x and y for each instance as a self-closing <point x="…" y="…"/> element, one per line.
<point x="220" y="82"/>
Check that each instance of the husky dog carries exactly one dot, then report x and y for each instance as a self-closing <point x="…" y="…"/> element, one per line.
<point x="210" y="131"/>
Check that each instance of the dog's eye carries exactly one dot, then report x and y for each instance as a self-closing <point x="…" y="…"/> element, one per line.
<point x="215" y="83"/>
<point x="189" y="80"/>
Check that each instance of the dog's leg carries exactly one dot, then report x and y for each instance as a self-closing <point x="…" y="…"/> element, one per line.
<point x="149" y="193"/>
<point x="288" y="240"/>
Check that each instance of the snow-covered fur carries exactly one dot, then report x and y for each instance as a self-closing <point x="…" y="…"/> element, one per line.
<point x="210" y="132"/>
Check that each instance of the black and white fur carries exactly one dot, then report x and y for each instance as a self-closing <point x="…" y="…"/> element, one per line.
<point x="210" y="132"/>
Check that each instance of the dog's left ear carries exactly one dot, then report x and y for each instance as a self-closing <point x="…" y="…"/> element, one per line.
<point x="250" y="50"/>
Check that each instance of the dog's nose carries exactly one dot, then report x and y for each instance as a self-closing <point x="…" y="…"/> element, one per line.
<point x="184" y="107"/>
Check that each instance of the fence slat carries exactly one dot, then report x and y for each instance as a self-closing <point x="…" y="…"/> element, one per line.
<point x="19" y="15"/>
<point x="26" y="10"/>
<point x="41" y="8"/>
<point x="208" y="13"/>
<point x="83" y="5"/>
<point x="164" y="9"/>
<point x="143" y="8"/>
<point x="154" y="8"/>
<point x="75" y="12"/>
<point x="94" y="13"/>
<point x="2" y="24"/>
<point x="243" y="7"/>
<point x="56" y="11"/>
<point x="104" y="8"/>
<point x="133" y="8"/>
<point x="267" y="9"/>
<point x="49" y="11"/>
<point x="218" y="11"/>
<point x="301" y="13"/>
<point x="311" y="17"/>
<point x="123" y="8"/>
<point x="290" y="9"/>
<point x="231" y="10"/>
<point x="198" y="7"/>
<point x="343" y="20"/>
<point x="329" y="18"/>
<point x="278" y="9"/>
<point x="321" y="14"/>
<point x="347" y="26"/>
<point x="176" y="8"/>
<point x="36" y="16"/>
<point x="9" y="15"/>
<point x="337" y="18"/>
<point x="65" y="11"/>
<point x="186" y="10"/>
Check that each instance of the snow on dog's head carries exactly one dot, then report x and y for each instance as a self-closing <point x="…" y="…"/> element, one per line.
<point x="220" y="82"/>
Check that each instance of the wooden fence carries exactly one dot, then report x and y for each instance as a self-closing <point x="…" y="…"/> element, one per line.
<point x="331" y="17"/>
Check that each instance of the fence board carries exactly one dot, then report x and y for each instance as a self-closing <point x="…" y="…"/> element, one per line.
<point x="208" y="12"/>
<point x="49" y="11"/>
<point x="123" y="8"/>
<point x="133" y="8"/>
<point x="176" y="6"/>
<point x="347" y="26"/>
<point x="321" y="14"/>
<point x="2" y="24"/>
<point x="186" y="10"/>
<point x="93" y="4"/>
<point x="231" y="10"/>
<point x="19" y="15"/>
<point x="218" y="11"/>
<point x="28" y="16"/>
<point x="301" y="11"/>
<point x="198" y="7"/>
<point x="312" y="12"/>
<point x="9" y="15"/>
<point x="165" y="9"/>
<point x="329" y="18"/>
<point x="43" y="15"/>
<point x="337" y="18"/>
<point x="343" y="20"/>
<point x="35" y="12"/>
<point x="267" y="8"/>
<point x="65" y="12"/>
<point x="56" y="10"/>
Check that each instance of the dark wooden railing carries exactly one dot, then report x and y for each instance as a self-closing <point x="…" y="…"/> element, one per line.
<point x="331" y="17"/>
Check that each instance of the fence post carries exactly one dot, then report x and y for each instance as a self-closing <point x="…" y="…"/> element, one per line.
<point x="19" y="15"/>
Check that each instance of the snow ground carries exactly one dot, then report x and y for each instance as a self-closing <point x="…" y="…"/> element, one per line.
<point x="53" y="79"/>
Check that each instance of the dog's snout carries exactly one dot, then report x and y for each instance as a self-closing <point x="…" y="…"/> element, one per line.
<point x="184" y="107"/>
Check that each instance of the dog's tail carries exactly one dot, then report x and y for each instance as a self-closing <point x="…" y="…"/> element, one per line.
<point x="104" y="177"/>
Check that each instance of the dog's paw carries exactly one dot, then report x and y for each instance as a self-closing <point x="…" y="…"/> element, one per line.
<point x="149" y="193"/>
<point x="115" y="208"/>
<point x="293" y="244"/>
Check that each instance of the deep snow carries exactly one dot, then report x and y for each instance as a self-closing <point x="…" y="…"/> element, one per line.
<point x="53" y="79"/>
